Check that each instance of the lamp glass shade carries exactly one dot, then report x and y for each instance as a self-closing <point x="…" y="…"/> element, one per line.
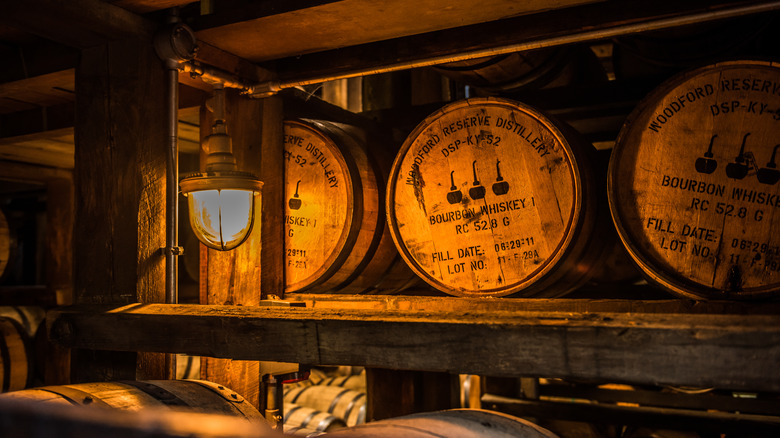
<point x="222" y="219"/>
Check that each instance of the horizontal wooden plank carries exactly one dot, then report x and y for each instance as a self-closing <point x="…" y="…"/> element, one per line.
<point x="634" y="304"/>
<point x="726" y="351"/>
<point x="77" y="23"/>
<point x="48" y="148"/>
<point x="584" y="23"/>
<point x="55" y="148"/>
<point x="263" y="34"/>
<point x="44" y="90"/>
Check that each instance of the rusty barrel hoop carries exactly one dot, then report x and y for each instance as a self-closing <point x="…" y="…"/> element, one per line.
<point x="693" y="182"/>
<point x="490" y="197"/>
<point x="336" y="236"/>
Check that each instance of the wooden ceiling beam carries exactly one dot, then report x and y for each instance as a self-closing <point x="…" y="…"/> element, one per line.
<point x="76" y="23"/>
<point x="583" y="23"/>
<point x="271" y="30"/>
<point x="37" y="58"/>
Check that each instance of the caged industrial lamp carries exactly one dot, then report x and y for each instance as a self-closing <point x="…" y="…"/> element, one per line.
<point x="221" y="201"/>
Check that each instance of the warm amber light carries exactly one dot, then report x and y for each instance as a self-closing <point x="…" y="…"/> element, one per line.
<point x="221" y="208"/>
<point x="222" y="219"/>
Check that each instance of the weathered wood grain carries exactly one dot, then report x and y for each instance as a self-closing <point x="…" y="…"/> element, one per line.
<point x="611" y="305"/>
<point x="119" y="185"/>
<point x="693" y="184"/>
<point x="393" y="393"/>
<point x="271" y="225"/>
<point x="491" y="197"/>
<point x="234" y="277"/>
<point x="59" y="239"/>
<point x="80" y="23"/>
<point x="720" y="350"/>
<point x="48" y="148"/>
<point x="334" y="24"/>
<point x="44" y="90"/>
<point x="586" y="22"/>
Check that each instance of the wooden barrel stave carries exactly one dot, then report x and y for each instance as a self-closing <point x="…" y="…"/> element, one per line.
<point x="15" y="356"/>
<point x="336" y="237"/>
<point x="343" y="403"/>
<point x="686" y="183"/>
<point x="356" y="382"/>
<point x="308" y="420"/>
<point x="454" y="423"/>
<point x="192" y="395"/>
<point x="529" y="69"/>
<point x="28" y="418"/>
<point x="443" y="222"/>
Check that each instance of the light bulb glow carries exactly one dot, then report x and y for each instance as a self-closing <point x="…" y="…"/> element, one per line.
<point x="222" y="219"/>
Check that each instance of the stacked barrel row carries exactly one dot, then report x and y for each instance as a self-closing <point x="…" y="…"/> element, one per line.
<point x="327" y="401"/>
<point x="492" y="197"/>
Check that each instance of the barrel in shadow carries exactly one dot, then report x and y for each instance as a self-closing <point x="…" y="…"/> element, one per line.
<point x="29" y="418"/>
<point x="346" y="404"/>
<point x="16" y="362"/>
<point x="529" y="69"/>
<point x="304" y="421"/>
<point x="355" y="382"/>
<point x="455" y="423"/>
<point x="189" y="395"/>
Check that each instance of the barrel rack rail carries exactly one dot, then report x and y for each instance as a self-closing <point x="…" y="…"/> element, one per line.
<point x="669" y="342"/>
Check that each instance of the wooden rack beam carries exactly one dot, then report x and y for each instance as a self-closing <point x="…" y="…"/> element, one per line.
<point x="578" y="24"/>
<point x="722" y="350"/>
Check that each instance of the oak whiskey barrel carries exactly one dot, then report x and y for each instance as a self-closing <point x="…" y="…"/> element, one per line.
<point x="15" y="356"/>
<point x="490" y="197"/>
<point x="30" y="318"/>
<point x="190" y="395"/>
<point x="355" y="381"/>
<point x="454" y="423"/>
<point x="336" y="234"/>
<point x="28" y="418"/>
<point x="670" y="51"/>
<point x="693" y="182"/>
<point x="303" y="420"/>
<point x="530" y="69"/>
<point x="346" y="404"/>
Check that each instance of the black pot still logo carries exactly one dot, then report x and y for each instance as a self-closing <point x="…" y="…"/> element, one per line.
<point x="477" y="190"/>
<point x="295" y="202"/>
<point x="740" y="167"/>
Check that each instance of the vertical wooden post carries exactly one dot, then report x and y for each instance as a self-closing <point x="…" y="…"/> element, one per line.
<point x="119" y="190"/>
<point x="393" y="393"/>
<point x="235" y="277"/>
<point x="272" y="173"/>
<point x="59" y="269"/>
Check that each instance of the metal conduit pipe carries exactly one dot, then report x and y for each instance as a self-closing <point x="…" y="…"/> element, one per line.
<point x="174" y="44"/>
<point x="269" y="88"/>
